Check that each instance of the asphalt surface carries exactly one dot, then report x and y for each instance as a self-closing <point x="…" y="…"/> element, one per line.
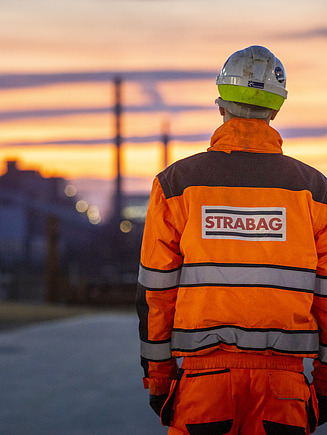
<point x="76" y="376"/>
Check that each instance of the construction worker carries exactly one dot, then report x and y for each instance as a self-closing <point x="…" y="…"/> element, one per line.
<point x="233" y="274"/>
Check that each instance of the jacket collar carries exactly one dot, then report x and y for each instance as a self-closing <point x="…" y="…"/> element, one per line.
<point x="249" y="135"/>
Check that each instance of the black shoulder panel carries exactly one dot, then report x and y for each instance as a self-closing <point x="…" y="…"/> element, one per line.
<point x="242" y="169"/>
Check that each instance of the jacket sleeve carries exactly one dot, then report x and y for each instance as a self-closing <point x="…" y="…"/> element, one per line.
<point x="158" y="282"/>
<point x="319" y="309"/>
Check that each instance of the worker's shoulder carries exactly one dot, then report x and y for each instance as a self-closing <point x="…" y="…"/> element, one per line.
<point x="242" y="170"/>
<point x="303" y="166"/>
<point x="189" y="162"/>
<point x="308" y="174"/>
<point x="183" y="173"/>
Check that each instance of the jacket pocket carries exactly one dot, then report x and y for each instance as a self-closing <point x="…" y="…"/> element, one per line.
<point x="214" y="372"/>
<point x="286" y="404"/>
<point x="203" y="402"/>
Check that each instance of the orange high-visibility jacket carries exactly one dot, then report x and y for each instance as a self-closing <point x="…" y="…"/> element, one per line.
<point x="234" y="256"/>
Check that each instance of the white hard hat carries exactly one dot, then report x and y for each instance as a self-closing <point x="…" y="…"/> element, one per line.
<point x="253" y="76"/>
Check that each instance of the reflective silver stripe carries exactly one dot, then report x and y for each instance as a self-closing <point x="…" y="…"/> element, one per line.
<point x="240" y="275"/>
<point x="156" y="351"/>
<point x="295" y="342"/>
<point x="323" y="353"/>
<point x="158" y="279"/>
<point x="321" y="286"/>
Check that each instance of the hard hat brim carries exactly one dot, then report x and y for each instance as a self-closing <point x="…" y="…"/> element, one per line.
<point x="249" y="95"/>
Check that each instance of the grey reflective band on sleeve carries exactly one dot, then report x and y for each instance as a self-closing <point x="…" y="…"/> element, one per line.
<point x="322" y="356"/>
<point x="158" y="279"/>
<point x="321" y="286"/>
<point x="297" y="342"/>
<point x="156" y="351"/>
<point x="212" y="274"/>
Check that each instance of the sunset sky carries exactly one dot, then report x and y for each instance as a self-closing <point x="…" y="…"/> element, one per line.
<point x="59" y="59"/>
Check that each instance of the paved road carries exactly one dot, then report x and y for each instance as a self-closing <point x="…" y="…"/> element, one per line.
<point x="75" y="377"/>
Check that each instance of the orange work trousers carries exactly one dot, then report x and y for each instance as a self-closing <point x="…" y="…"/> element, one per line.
<point x="211" y="399"/>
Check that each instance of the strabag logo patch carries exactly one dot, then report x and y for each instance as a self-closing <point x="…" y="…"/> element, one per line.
<point x="244" y="223"/>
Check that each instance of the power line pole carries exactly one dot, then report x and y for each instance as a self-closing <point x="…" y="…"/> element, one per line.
<point x="118" y="194"/>
<point x="116" y="234"/>
<point x="165" y="141"/>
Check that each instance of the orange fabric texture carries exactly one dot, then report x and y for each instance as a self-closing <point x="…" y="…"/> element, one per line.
<point x="234" y="256"/>
<point x="242" y="135"/>
<point x="241" y="402"/>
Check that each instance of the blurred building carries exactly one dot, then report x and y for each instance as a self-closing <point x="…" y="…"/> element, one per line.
<point x="28" y="205"/>
<point x="50" y="248"/>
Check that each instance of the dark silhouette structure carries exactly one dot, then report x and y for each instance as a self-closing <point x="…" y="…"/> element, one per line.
<point x="29" y="205"/>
